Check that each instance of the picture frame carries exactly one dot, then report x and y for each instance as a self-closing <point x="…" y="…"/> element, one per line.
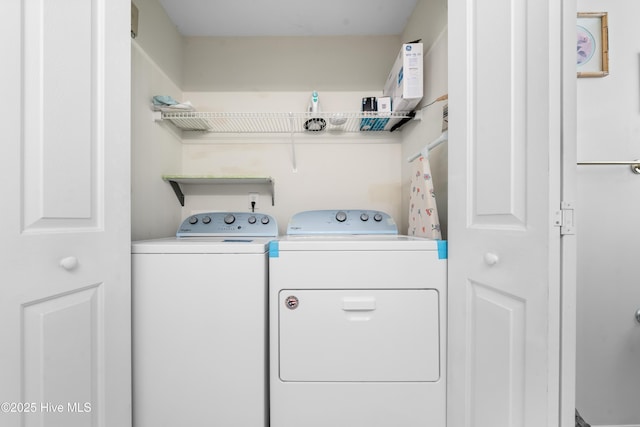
<point x="592" y="44"/>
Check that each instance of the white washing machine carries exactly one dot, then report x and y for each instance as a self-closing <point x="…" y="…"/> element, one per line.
<point x="200" y="323"/>
<point x="357" y="320"/>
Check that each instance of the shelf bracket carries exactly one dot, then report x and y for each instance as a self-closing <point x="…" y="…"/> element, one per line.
<point x="178" y="191"/>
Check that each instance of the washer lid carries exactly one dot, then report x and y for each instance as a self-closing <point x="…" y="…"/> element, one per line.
<point x="202" y="245"/>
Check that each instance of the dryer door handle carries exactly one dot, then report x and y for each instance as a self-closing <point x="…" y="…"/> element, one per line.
<point x="358" y="303"/>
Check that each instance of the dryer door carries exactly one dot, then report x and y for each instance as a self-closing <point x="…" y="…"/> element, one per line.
<point x="359" y="335"/>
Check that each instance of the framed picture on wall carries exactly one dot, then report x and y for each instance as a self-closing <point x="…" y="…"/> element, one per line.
<point x="593" y="44"/>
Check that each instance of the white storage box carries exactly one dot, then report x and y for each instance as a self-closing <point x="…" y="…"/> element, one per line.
<point x="405" y="81"/>
<point x="384" y="104"/>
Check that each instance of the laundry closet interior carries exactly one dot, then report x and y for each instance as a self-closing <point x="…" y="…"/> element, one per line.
<point x="180" y="174"/>
<point x="324" y="170"/>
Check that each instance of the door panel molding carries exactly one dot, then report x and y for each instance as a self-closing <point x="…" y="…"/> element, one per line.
<point x="61" y="338"/>
<point x="496" y="339"/>
<point x="61" y="54"/>
<point x="497" y="144"/>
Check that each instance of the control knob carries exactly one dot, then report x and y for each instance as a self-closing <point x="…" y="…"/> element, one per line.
<point x="252" y="219"/>
<point x="264" y="220"/>
<point x="193" y="220"/>
<point x="341" y="216"/>
<point x="229" y="219"/>
<point x="377" y="217"/>
<point x="206" y="220"/>
<point x="364" y="217"/>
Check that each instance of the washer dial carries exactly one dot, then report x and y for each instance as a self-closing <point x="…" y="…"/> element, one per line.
<point x="341" y="216"/>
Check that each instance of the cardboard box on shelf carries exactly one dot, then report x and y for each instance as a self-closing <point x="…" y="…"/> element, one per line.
<point x="404" y="83"/>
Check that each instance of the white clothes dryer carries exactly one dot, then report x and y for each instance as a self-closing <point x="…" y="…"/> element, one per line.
<point x="357" y="324"/>
<point x="199" y="303"/>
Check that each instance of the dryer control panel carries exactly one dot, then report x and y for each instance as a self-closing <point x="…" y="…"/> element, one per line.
<point x="341" y="222"/>
<point x="223" y="224"/>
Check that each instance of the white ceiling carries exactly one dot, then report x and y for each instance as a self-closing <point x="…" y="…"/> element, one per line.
<point x="235" y="18"/>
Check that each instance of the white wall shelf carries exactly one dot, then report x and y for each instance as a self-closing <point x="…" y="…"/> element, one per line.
<point x="283" y="122"/>
<point x="183" y="183"/>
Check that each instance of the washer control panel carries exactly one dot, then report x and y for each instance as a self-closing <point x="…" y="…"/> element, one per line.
<point x="341" y="222"/>
<point x="223" y="224"/>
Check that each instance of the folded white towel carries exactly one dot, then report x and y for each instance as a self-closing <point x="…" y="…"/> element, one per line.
<point x="167" y="103"/>
<point x="185" y="106"/>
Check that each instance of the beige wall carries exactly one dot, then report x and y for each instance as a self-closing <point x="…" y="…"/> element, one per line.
<point x="248" y="64"/>
<point x="155" y="151"/>
<point x="427" y="22"/>
<point x="160" y="39"/>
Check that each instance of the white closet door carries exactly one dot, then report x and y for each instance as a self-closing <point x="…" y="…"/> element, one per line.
<point x="505" y="269"/>
<point x="64" y="222"/>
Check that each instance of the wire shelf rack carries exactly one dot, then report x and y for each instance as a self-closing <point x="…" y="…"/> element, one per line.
<point x="284" y="122"/>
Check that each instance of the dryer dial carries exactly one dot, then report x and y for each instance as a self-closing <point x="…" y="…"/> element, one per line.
<point x="229" y="219"/>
